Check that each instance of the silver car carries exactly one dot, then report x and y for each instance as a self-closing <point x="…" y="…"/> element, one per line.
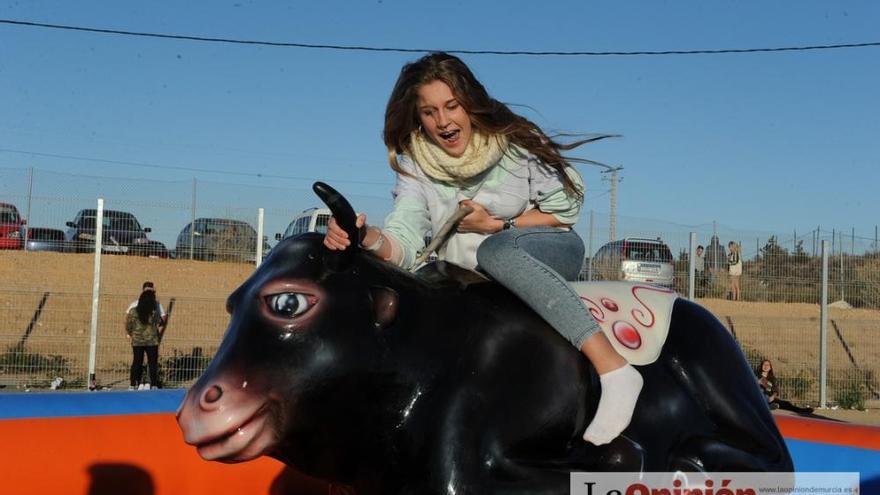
<point x="635" y="259"/>
<point x="310" y="220"/>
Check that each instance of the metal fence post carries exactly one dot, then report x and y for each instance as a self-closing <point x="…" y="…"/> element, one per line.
<point x="192" y="225"/>
<point x="259" y="254"/>
<point x="823" y="329"/>
<point x="813" y="239"/>
<point x="692" y="249"/>
<point x="590" y="250"/>
<point x="30" y="196"/>
<point x="842" y="280"/>
<point x="96" y="292"/>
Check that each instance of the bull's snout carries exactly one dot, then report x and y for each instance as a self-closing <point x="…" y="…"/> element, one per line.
<point x="215" y="401"/>
<point x="225" y="422"/>
<point x="209" y="399"/>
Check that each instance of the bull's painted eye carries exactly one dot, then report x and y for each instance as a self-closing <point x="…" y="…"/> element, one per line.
<point x="288" y="304"/>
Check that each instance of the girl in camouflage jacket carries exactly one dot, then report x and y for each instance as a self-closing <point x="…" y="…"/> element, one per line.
<point x="142" y="327"/>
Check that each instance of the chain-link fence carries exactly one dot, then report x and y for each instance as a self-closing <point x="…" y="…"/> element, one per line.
<point x="195" y="240"/>
<point x="778" y="313"/>
<point x="198" y="240"/>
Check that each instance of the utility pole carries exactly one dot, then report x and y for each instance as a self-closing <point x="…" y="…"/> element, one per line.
<point x="613" y="178"/>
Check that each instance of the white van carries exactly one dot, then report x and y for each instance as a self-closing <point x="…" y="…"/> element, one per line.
<point x="310" y="220"/>
<point x="635" y="259"/>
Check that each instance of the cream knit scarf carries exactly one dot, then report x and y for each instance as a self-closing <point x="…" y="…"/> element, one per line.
<point x="481" y="153"/>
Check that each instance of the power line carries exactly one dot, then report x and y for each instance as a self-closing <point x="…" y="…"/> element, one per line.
<point x="426" y="50"/>
<point x="188" y="169"/>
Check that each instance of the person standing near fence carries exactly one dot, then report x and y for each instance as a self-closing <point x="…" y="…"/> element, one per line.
<point x="142" y="324"/>
<point x="699" y="271"/>
<point x="163" y="323"/>
<point x="735" y="268"/>
<point x="453" y="145"/>
<point x="148" y="285"/>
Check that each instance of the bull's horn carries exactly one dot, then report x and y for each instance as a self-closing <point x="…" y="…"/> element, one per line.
<point x="345" y="218"/>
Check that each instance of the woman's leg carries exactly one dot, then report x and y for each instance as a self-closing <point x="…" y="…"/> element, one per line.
<point x="137" y="365"/>
<point x="734" y="282"/>
<point x="788" y="406"/>
<point x="534" y="263"/>
<point x="153" y="363"/>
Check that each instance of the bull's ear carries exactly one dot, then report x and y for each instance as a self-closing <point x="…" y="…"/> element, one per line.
<point x="385" y="301"/>
<point x="345" y="218"/>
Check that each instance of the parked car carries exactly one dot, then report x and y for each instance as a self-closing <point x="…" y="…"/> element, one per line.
<point x="11" y="227"/>
<point x="122" y="233"/>
<point x="155" y="249"/>
<point x="44" y="239"/>
<point x="635" y="259"/>
<point x="310" y="220"/>
<point x="218" y="239"/>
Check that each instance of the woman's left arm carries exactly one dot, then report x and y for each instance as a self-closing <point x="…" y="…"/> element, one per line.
<point x="481" y="221"/>
<point x="537" y="218"/>
<point x="554" y="206"/>
<point x="551" y="198"/>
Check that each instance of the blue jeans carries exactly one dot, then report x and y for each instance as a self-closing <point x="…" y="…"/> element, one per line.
<point x="534" y="263"/>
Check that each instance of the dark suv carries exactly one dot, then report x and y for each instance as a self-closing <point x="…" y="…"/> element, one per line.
<point x="122" y="234"/>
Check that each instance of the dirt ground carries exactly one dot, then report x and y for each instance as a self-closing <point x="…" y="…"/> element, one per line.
<point x="786" y="333"/>
<point x="789" y="335"/>
<point x="57" y="342"/>
<point x="866" y="417"/>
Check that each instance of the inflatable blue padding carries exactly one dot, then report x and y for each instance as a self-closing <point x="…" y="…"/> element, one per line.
<point x="71" y="404"/>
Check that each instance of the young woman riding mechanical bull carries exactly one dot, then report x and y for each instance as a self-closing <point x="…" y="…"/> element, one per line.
<point x="453" y="145"/>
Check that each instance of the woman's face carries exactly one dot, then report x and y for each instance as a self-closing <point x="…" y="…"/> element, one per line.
<point x="766" y="366"/>
<point x="443" y="118"/>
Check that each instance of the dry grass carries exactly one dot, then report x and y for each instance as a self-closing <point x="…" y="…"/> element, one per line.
<point x="789" y="335"/>
<point x="198" y="318"/>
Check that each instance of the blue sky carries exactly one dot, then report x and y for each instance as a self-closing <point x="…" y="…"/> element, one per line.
<point x="766" y="141"/>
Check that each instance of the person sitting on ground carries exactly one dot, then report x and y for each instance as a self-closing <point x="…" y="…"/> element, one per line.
<point x="767" y="382"/>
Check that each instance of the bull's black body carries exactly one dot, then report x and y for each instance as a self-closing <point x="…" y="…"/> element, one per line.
<point x="443" y="383"/>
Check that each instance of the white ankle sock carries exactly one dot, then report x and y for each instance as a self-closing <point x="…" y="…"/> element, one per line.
<point x="620" y="391"/>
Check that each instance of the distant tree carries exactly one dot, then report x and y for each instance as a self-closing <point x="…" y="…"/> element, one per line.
<point x="772" y="248"/>
<point x="800" y="255"/>
<point x="773" y="257"/>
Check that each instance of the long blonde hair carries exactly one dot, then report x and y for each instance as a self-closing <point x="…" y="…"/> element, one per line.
<point x="487" y="115"/>
<point x="734" y="247"/>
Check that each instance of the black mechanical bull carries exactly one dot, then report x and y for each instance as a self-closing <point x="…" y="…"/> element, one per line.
<point x="348" y="369"/>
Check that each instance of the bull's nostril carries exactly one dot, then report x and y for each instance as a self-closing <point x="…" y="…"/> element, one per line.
<point x="213" y="394"/>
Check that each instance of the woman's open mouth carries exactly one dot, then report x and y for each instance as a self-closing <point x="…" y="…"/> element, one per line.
<point x="244" y="442"/>
<point x="450" y="137"/>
